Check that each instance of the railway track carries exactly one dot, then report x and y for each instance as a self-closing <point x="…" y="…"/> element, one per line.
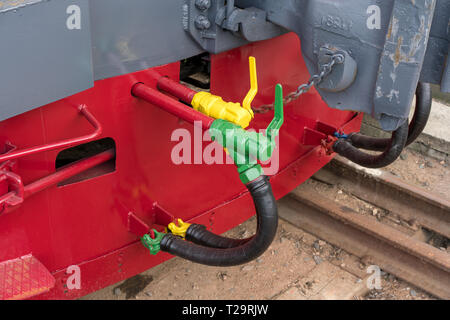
<point x="400" y="253"/>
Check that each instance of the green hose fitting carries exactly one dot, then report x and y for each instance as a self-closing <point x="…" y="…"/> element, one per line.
<point x="247" y="147"/>
<point x="154" y="245"/>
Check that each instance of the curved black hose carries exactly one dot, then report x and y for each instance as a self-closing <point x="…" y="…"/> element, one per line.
<point x="418" y="123"/>
<point x="198" y="234"/>
<point x="392" y="152"/>
<point x="267" y="217"/>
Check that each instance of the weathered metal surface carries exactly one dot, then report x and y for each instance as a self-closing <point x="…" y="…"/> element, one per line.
<point x="401" y="61"/>
<point x="407" y="258"/>
<point x="386" y="191"/>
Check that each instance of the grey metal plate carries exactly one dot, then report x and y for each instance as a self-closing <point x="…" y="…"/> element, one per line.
<point x="387" y="39"/>
<point x="42" y="61"/>
<point x="45" y="53"/>
<point x="135" y="35"/>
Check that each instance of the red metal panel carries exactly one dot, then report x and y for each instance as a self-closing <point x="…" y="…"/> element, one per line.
<point x="82" y="223"/>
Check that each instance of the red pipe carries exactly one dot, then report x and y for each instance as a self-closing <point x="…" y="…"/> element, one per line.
<point x="68" y="172"/>
<point x="59" y="176"/>
<point x="170" y="105"/>
<point x="61" y="144"/>
<point x="176" y="89"/>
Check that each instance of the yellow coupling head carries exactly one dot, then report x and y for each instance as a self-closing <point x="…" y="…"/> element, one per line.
<point x="180" y="229"/>
<point x="216" y="107"/>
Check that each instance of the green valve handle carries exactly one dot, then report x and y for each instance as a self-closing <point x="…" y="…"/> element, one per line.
<point x="274" y="127"/>
<point x="154" y="245"/>
<point x="247" y="147"/>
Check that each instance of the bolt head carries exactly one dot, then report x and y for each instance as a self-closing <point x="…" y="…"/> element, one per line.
<point x="202" y="22"/>
<point x="203" y="5"/>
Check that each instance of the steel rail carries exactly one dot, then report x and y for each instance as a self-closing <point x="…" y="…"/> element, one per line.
<point x="393" y="251"/>
<point x="386" y="191"/>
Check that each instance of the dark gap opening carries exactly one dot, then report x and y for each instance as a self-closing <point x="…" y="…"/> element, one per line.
<point x="196" y="71"/>
<point x="5" y="147"/>
<point x="85" y="151"/>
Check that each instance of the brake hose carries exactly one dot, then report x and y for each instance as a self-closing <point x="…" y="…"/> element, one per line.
<point x="392" y="151"/>
<point x="246" y="148"/>
<point x="267" y="217"/>
<point x="418" y="123"/>
<point x="197" y="233"/>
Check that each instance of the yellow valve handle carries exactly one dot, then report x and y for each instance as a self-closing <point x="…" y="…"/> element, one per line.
<point x="253" y="86"/>
<point x="180" y="229"/>
<point x="215" y="107"/>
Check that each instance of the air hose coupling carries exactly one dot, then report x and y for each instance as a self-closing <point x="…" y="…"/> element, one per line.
<point x="179" y="229"/>
<point x="212" y="105"/>
<point x="214" y="250"/>
<point x="247" y="147"/>
<point x="215" y="107"/>
<point x="394" y="148"/>
<point x="153" y="244"/>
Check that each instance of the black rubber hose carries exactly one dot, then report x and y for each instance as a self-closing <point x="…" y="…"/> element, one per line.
<point x="419" y="121"/>
<point x="198" y="234"/>
<point x="391" y="153"/>
<point x="267" y="223"/>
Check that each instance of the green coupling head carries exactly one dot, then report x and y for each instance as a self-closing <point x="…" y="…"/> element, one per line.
<point x="247" y="147"/>
<point x="154" y="245"/>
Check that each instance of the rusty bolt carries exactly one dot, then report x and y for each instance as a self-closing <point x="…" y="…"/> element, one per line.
<point x="202" y="22"/>
<point x="203" y="4"/>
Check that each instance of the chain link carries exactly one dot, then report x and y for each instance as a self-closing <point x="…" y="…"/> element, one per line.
<point x="316" y="79"/>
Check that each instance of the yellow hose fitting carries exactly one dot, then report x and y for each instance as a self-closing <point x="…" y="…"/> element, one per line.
<point x="180" y="229"/>
<point x="215" y="107"/>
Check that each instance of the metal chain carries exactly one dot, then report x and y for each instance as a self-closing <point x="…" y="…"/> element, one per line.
<point x="316" y="79"/>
